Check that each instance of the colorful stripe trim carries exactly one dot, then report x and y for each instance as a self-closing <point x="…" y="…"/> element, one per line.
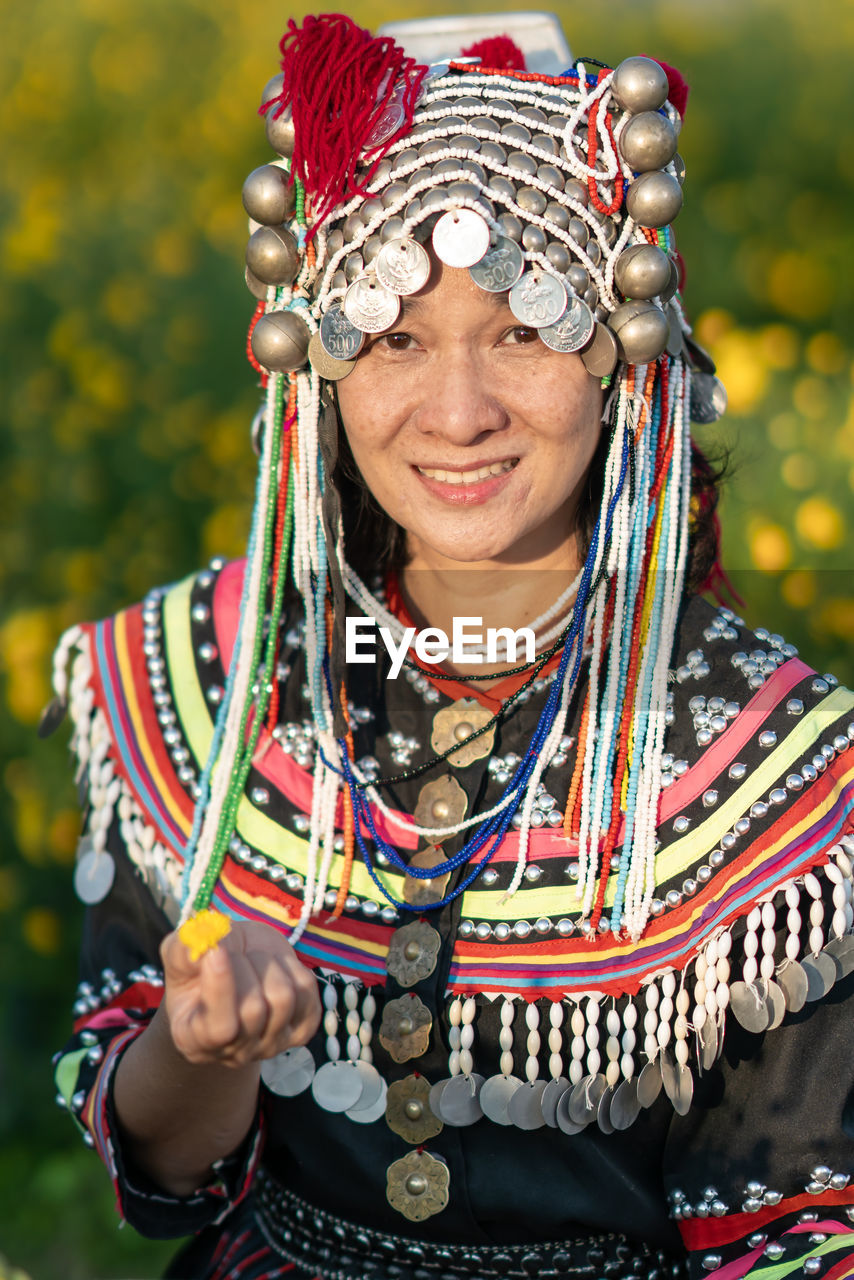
<point x="710" y="1233"/>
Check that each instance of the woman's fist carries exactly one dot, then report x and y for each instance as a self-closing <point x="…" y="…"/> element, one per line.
<point x="245" y="1000"/>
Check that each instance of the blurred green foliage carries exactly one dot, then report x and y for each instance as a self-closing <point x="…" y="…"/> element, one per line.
<point x="127" y="129"/>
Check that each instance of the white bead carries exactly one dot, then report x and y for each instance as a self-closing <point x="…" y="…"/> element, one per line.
<point x="837" y="924"/>
<point x="724" y="944"/>
<point x="351" y="996"/>
<point x="754" y="919"/>
<point x="629" y="1040"/>
<point x="700" y="966"/>
<point x="700" y="992"/>
<point x="630" y="1017"/>
<point x="533" y="1045"/>
<point x="699" y="1016"/>
<point x="666" y="1010"/>
<point x="532" y="1016"/>
<point x="592" y="1011"/>
<point x="651" y="996"/>
<point x="683" y="1001"/>
<point x="816" y="941"/>
<point x="507" y="1012"/>
<point x="555" y="1040"/>
<point x="839" y="896"/>
<point x="455" y="1013"/>
<point x="833" y="873"/>
<point x="576" y="1071"/>
<point x="505" y="1038"/>
<point x="663" y="1034"/>
<point x="556" y="1014"/>
<point x="578" y="1046"/>
<point x="680" y="1049"/>
<point x="680" y="1027"/>
<point x="793" y="946"/>
<point x="612" y="1023"/>
<point x="454" y="1037"/>
<point x="769" y="941"/>
<point x="467" y="1036"/>
<point x="766" y="967"/>
<point x="722" y="996"/>
<point x="612" y="1048"/>
<point x="751" y="969"/>
<point x="354" y="1047"/>
<point x="627" y="1066"/>
<point x="650" y="1047"/>
<point x="793" y="920"/>
<point x="330" y="996"/>
<point x="333" y="1050"/>
<point x="792" y="895"/>
<point x="470" y="1009"/>
<point x="593" y="1062"/>
<point x="330" y="1022"/>
<point x="668" y="984"/>
<point x="555" y="1066"/>
<point x="466" y="1062"/>
<point x="505" y="1063"/>
<point x="365" y="1033"/>
<point x="751" y="944"/>
<point x="612" y="1073"/>
<point x="369" y="1007"/>
<point x="454" y="1062"/>
<point x="768" y="915"/>
<point x="577" y="1022"/>
<point x="812" y="885"/>
<point x="816" y="912"/>
<point x="351" y="1023"/>
<point x="592" y="1037"/>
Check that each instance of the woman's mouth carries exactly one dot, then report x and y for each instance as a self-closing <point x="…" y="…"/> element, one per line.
<point x="467" y="487"/>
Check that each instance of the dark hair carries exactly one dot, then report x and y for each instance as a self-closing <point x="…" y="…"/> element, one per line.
<point x="376" y="543"/>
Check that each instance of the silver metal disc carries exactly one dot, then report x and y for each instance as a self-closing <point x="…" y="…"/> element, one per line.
<point x="94" y="874"/>
<point x="326" y="365"/>
<point x="684" y="1092"/>
<point x="367" y="1115"/>
<point x="574" y="329"/>
<point x="649" y="1083"/>
<point x="402" y="265"/>
<point x="552" y="1094"/>
<point x="458" y="1105"/>
<point x="776" y="1004"/>
<point x="625" y="1105"/>
<point x="289" y="1073"/>
<point x="821" y="975"/>
<point x="369" y="306"/>
<point x="538" y="299"/>
<point x="436" y="1092"/>
<point x="841" y="951"/>
<point x="708" y="1037"/>
<point x="337" y="1086"/>
<point x="584" y="1099"/>
<point x="495" y="1095"/>
<point x="525" y="1107"/>
<point x="52" y="717"/>
<point x="669" y="1074"/>
<point x="341" y="339"/>
<point x="500" y="267"/>
<point x="749" y="1006"/>
<point x="372" y="1086"/>
<point x="793" y="982"/>
<point x="386" y="126"/>
<point x="564" y="1121"/>
<point x="603" y="1111"/>
<point x="460" y="238"/>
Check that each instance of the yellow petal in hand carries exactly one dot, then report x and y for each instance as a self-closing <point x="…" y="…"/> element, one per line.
<point x="203" y="931"/>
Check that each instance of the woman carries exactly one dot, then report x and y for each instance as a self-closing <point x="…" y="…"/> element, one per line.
<point x="528" y="961"/>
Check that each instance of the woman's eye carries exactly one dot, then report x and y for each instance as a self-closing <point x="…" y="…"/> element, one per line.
<point x="520" y="335"/>
<point x="397" y="342"/>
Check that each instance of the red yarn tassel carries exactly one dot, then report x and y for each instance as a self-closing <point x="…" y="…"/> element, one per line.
<point x="346" y="90"/>
<point x="499" y="53"/>
<point x="679" y="88"/>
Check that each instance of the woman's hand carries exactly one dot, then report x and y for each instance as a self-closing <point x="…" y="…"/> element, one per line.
<point x="245" y="1000"/>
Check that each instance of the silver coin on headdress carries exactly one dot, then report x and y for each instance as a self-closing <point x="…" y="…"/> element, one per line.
<point x="538" y="299"/>
<point x="370" y="306"/>
<point x="500" y="267"/>
<point x="461" y="238"/>
<point x="341" y="339"/>
<point x="574" y="329"/>
<point x="326" y="365"/>
<point x="402" y="265"/>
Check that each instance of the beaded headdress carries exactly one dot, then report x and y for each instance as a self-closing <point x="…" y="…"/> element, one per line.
<point x="558" y="191"/>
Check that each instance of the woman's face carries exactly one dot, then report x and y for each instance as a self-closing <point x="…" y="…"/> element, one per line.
<point x="470" y="432"/>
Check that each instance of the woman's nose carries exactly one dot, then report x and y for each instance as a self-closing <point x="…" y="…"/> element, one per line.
<point x="461" y="406"/>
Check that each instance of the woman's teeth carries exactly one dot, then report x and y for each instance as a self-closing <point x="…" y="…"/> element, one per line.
<point x="469" y="477"/>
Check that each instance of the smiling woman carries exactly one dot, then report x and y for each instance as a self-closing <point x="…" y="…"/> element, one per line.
<point x="528" y="962"/>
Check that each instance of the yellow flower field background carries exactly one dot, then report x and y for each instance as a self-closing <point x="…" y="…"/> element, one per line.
<point x="126" y="129"/>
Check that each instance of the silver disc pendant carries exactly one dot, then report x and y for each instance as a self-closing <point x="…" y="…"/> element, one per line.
<point x="460" y="238"/>
<point x="776" y="1005"/>
<point x="367" y="1115"/>
<point x="369" y="306"/>
<point x="749" y="1005"/>
<point x="603" y="1111"/>
<point x="402" y="266"/>
<point x="841" y="951"/>
<point x="326" y="365"/>
<point x="564" y="1121"/>
<point x="525" y="1107"/>
<point x="94" y="874"/>
<point x="669" y="1074"/>
<point x="585" y="1097"/>
<point x="500" y="267"/>
<point x="289" y="1073"/>
<point x="708" y="1044"/>
<point x="495" y="1095"/>
<point x="52" y="717"/>
<point x="649" y="1084"/>
<point x="458" y="1104"/>
<point x="538" y="300"/>
<point x="574" y="329"/>
<point x="372" y="1086"/>
<point x="821" y="975"/>
<point x="341" y="339"/>
<point x="793" y="982"/>
<point x="683" y="1090"/>
<point x="337" y="1086"/>
<point x="625" y="1105"/>
<point x="552" y="1094"/>
<point x="386" y="126"/>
